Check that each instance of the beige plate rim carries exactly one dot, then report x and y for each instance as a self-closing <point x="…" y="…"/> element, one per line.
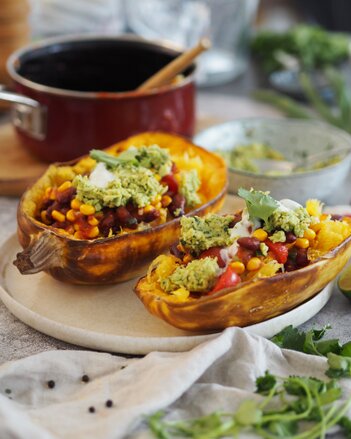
<point x="138" y="345"/>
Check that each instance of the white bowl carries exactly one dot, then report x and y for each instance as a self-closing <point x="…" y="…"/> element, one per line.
<point x="292" y="138"/>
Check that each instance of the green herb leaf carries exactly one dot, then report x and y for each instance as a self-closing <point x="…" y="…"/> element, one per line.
<point x="339" y="366"/>
<point x="259" y="204"/>
<point x="265" y="383"/>
<point x="248" y="413"/>
<point x="283" y="428"/>
<point x="290" y="338"/>
<point x="346" y="350"/>
<point x="345" y="424"/>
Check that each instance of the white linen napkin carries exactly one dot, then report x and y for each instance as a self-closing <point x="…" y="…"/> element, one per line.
<point x="45" y="397"/>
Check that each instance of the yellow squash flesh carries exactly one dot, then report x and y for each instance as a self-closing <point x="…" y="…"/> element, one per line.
<point x="122" y="257"/>
<point x="248" y="303"/>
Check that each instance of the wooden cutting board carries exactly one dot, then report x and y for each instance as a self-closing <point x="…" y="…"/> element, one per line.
<point x="18" y="168"/>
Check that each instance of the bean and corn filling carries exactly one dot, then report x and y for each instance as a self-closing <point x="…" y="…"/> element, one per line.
<point x="116" y="194"/>
<point x="266" y="238"/>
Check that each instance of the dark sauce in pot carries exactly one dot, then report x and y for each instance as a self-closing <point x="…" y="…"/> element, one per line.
<point x="95" y="65"/>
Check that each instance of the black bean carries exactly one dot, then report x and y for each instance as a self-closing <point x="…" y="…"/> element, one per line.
<point x="66" y="196"/>
<point x="290" y="237"/>
<point x="174" y="250"/>
<point x="150" y="216"/>
<point x="51" y="384"/>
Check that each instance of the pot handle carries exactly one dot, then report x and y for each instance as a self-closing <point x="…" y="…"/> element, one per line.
<point x="28" y="115"/>
<point x="43" y="252"/>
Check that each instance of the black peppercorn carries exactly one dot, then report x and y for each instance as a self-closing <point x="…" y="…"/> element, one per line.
<point x="8" y="391"/>
<point x="91" y="409"/>
<point x="51" y="384"/>
<point x="109" y="403"/>
<point x="85" y="379"/>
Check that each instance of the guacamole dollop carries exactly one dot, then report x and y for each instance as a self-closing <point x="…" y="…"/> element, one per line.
<point x="199" y="234"/>
<point x="130" y="184"/>
<point x="296" y="221"/>
<point x="198" y="276"/>
<point x="189" y="185"/>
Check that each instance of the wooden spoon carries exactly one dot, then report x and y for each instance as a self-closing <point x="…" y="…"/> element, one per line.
<point x="176" y="66"/>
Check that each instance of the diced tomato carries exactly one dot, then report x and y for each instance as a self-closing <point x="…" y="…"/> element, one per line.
<point x="228" y="279"/>
<point x="170" y="181"/>
<point x="279" y="250"/>
<point x="245" y="254"/>
<point x="214" y="252"/>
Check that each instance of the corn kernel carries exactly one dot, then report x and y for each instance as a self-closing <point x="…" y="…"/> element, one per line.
<point x="309" y="234"/>
<point x="86" y="209"/>
<point x="58" y="216"/>
<point x="48" y="192"/>
<point x="78" y="235"/>
<point x="70" y="215"/>
<point x="260" y="234"/>
<point x="156" y="200"/>
<point x="70" y="230"/>
<point x="76" y="227"/>
<point x="64" y="186"/>
<point x="302" y="243"/>
<point x="187" y="259"/>
<point x="94" y="232"/>
<point x="158" y="206"/>
<point x="254" y="264"/>
<point x="158" y="177"/>
<point x="52" y="194"/>
<point x="75" y="204"/>
<point x="316" y="227"/>
<point x="238" y="267"/>
<point x="148" y="208"/>
<point x="166" y="200"/>
<point x="93" y="221"/>
<point x="181" y="293"/>
<point x="43" y="216"/>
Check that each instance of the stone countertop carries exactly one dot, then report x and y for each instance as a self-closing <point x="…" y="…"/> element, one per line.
<point x="17" y="340"/>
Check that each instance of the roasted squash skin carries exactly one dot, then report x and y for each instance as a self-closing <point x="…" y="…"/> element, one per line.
<point x="250" y="302"/>
<point x="118" y="258"/>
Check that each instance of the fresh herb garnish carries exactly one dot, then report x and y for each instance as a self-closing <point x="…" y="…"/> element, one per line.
<point x="259" y="204"/>
<point x="289" y="403"/>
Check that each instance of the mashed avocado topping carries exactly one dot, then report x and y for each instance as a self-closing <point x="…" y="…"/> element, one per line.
<point x="199" y="234"/>
<point x="296" y="221"/>
<point x="241" y="156"/>
<point x="278" y="236"/>
<point x="198" y="276"/>
<point x="189" y="185"/>
<point x="129" y="184"/>
<point x="150" y="157"/>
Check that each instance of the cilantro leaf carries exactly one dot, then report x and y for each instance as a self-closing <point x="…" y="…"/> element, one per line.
<point x="339" y="366"/>
<point x="290" y="338"/>
<point x="265" y="383"/>
<point x="345" y="424"/>
<point x="259" y="204"/>
<point x="345" y="350"/>
<point x="283" y="428"/>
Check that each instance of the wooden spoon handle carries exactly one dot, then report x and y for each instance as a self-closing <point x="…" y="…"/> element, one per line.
<point x="176" y="66"/>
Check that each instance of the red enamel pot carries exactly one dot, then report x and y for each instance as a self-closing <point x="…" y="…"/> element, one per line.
<point x="74" y="94"/>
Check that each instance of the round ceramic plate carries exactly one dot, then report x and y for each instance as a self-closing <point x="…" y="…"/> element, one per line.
<point x="111" y="318"/>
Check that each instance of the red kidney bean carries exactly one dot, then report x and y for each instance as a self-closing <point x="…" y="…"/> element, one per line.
<point x="237" y="219"/>
<point x="301" y="258"/>
<point x="174" y="250"/>
<point x="249" y="243"/>
<point x="66" y="196"/>
<point x="172" y="184"/>
<point x="54" y="206"/>
<point x="336" y="217"/>
<point x="178" y="202"/>
<point x="124" y="217"/>
<point x="60" y="225"/>
<point x="148" y="217"/>
<point x="290" y="237"/>
<point x="107" y="223"/>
